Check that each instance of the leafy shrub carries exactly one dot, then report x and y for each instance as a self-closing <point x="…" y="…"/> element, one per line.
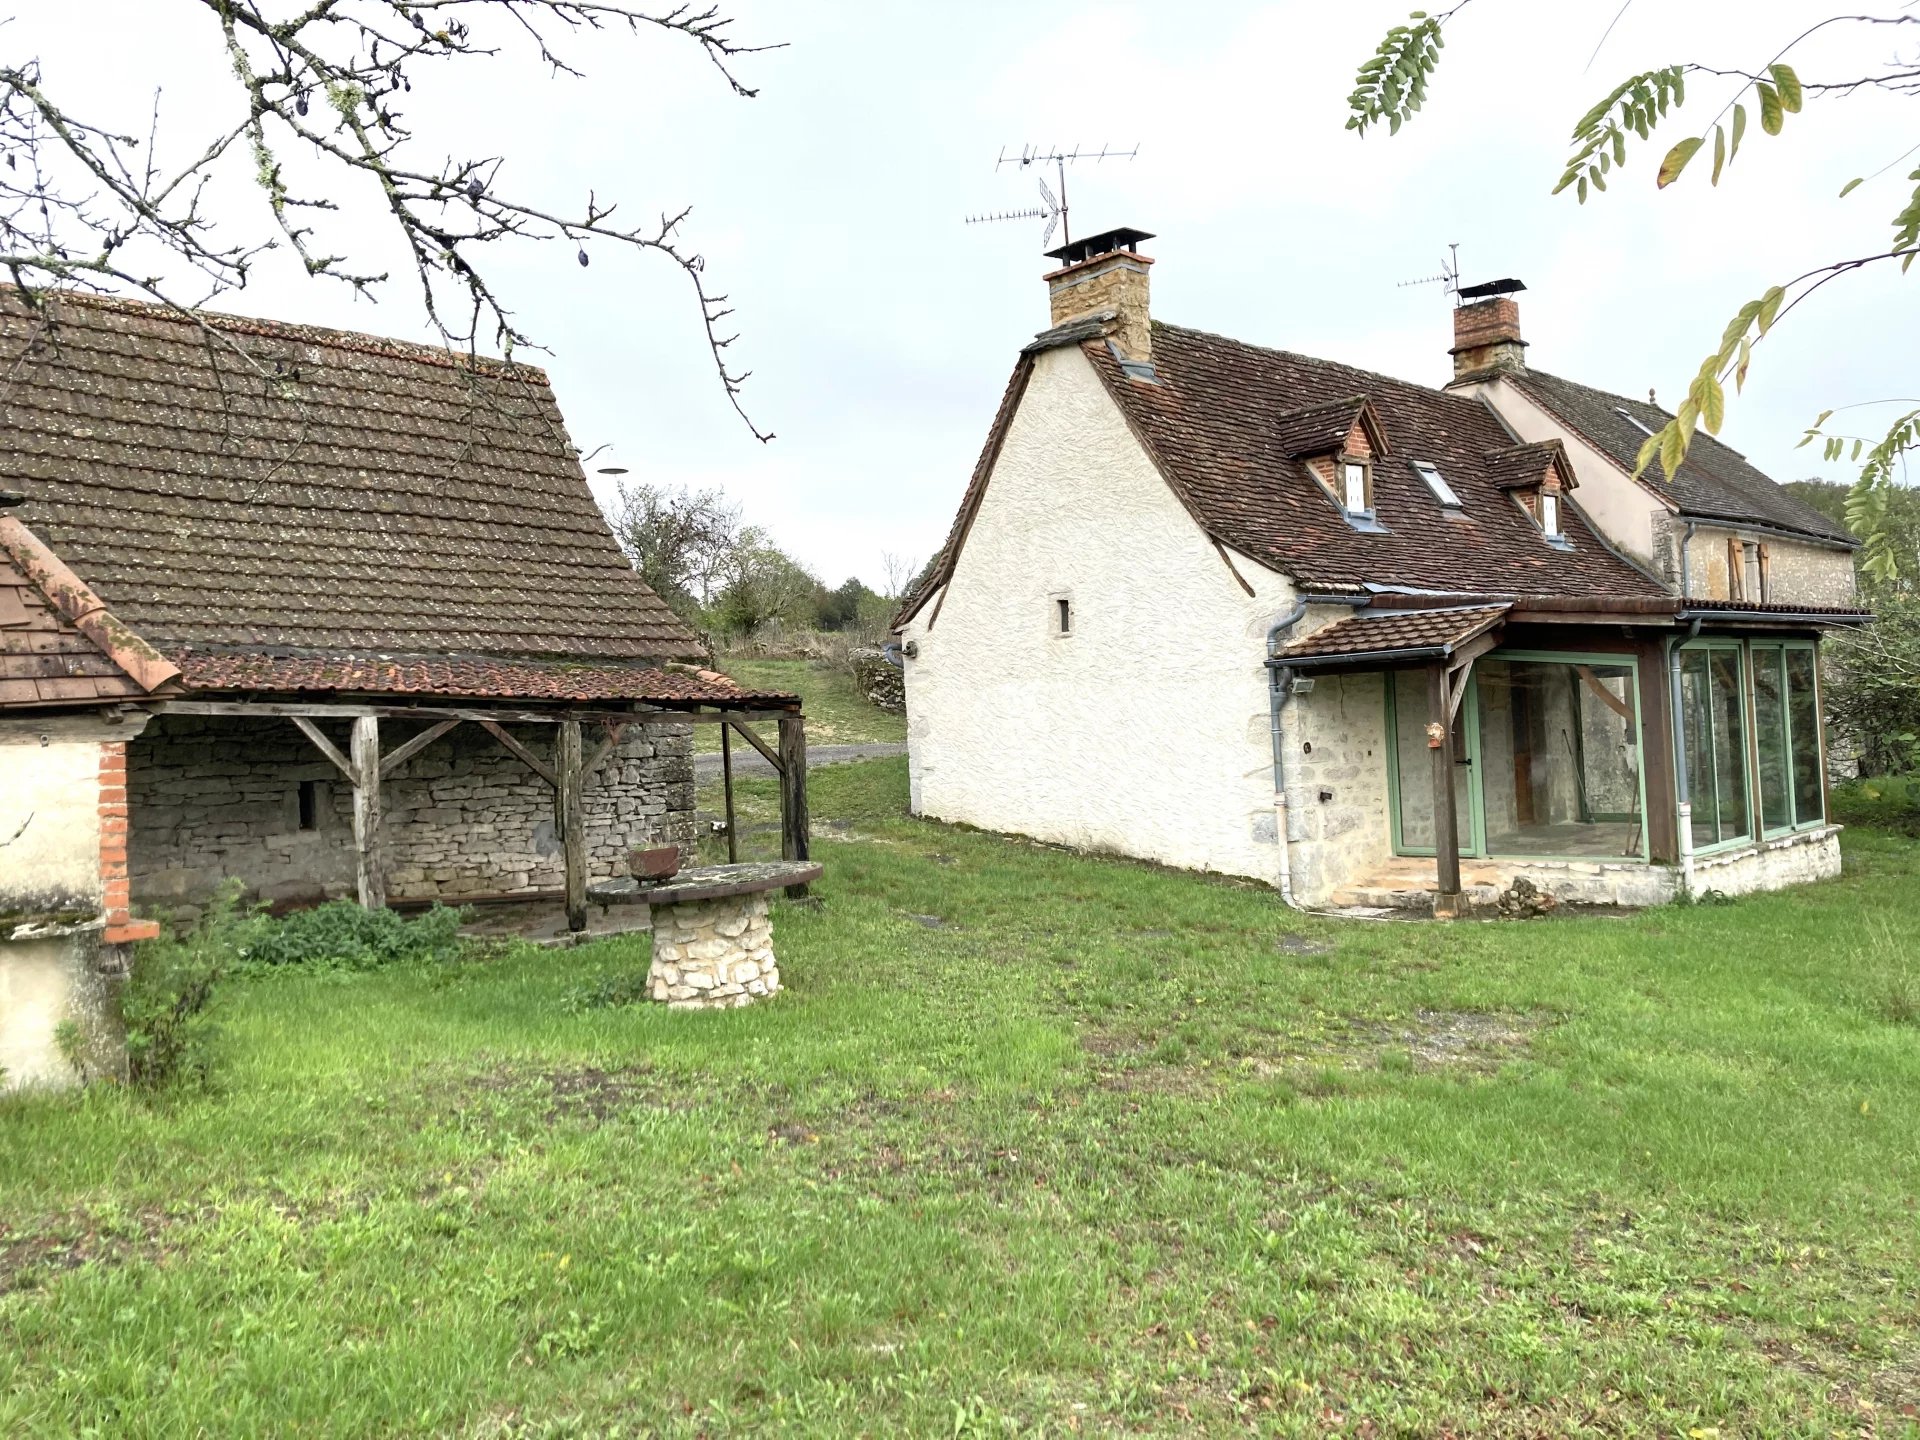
<point x="165" y="1005"/>
<point x="341" y="935"/>
<point x="1891" y="802"/>
<point x="606" y="993"/>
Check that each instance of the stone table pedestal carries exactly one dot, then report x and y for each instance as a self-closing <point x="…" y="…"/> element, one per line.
<point x="712" y="935"/>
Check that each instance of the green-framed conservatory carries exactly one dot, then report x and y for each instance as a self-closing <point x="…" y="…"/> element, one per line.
<point x="1589" y="739"/>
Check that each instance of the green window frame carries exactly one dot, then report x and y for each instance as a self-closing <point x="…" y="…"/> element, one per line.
<point x="1782" y="745"/>
<point x="1726" y="779"/>
<point x="1790" y="789"/>
<point x="1471" y="807"/>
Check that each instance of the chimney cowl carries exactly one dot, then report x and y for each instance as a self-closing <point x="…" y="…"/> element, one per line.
<point x="1105" y="273"/>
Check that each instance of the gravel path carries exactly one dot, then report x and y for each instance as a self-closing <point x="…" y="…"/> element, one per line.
<point x="749" y="761"/>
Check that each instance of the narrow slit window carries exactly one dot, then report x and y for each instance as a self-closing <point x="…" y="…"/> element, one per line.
<point x="1356" y="489"/>
<point x="1063" y="609"/>
<point x="308" y="802"/>
<point x="1437" y="483"/>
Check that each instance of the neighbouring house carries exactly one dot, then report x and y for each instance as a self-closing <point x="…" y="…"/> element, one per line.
<point x="1235" y="609"/>
<point x="324" y="614"/>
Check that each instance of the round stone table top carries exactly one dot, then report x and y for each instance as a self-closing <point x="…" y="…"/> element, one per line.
<point x="708" y="882"/>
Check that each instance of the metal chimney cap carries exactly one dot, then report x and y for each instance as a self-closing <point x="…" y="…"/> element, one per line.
<point x="1106" y="242"/>
<point x="1489" y="289"/>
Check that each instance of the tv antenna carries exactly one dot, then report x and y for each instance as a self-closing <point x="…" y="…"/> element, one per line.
<point x="1053" y="201"/>
<point x="1448" y="278"/>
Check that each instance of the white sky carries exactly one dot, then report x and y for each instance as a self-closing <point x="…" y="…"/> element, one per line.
<point x="881" y="330"/>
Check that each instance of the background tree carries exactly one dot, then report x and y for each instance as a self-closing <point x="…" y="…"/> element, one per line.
<point x="1392" y="87"/>
<point x="681" y="541"/>
<point x="763" y="584"/>
<point x="84" y="204"/>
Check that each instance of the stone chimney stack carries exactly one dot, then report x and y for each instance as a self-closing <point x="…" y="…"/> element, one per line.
<point x="1486" y="331"/>
<point x="1105" y="274"/>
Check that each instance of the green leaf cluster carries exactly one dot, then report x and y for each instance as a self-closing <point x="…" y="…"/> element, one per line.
<point x="1636" y="105"/>
<point x="1706" y="402"/>
<point x="1392" y="84"/>
<point x="1869" y="503"/>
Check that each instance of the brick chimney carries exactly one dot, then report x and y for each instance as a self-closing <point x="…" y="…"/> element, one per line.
<point x="1486" y="332"/>
<point x="1104" y="273"/>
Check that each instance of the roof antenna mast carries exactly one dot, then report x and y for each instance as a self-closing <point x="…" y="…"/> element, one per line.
<point x="1053" y="202"/>
<point x="1449" y="277"/>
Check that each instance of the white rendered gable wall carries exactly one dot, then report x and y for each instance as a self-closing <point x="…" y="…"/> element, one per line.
<point x="1145" y="730"/>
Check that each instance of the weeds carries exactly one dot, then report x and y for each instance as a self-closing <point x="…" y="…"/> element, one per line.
<point x="342" y="935"/>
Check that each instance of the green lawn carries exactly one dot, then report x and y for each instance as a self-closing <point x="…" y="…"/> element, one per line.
<point x="1032" y="1144"/>
<point x="837" y="713"/>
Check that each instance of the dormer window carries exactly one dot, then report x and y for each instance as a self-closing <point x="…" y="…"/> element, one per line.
<point x="1550" y="514"/>
<point x="1437" y="483"/>
<point x="1356" y="487"/>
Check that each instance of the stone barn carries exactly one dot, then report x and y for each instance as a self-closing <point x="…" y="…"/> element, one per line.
<point x="323" y="613"/>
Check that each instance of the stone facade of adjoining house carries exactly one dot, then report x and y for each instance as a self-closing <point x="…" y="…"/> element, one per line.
<point x="215" y="798"/>
<point x="713" y="954"/>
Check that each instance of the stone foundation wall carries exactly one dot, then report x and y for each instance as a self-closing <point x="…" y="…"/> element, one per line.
<point x="212" y="798"/>
<point x="1336" y="782"/>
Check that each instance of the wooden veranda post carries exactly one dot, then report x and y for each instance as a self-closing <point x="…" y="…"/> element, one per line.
<point x="794" y="842"/>
<point x="726" y="787"/>
<point x="364" y="757"/>
<point x="1446" y="831"/>
<point x="568" y="810"/>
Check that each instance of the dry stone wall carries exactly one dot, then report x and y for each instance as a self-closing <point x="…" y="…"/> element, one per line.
<point x="713" y="954"/>
<point x="213" y="798"/>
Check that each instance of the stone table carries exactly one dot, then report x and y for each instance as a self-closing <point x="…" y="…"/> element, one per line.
<point x="712" y="938"/>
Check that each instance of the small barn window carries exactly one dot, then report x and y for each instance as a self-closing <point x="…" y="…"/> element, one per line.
<point x="308" y="801"/>
<point x="1063" y="615"/>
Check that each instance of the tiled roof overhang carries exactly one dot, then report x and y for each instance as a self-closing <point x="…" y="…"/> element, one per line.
<point x="1392" y="636"/>
<point x="468" y="677"/>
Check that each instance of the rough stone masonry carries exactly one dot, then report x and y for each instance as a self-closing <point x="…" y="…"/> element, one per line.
<point x="712" y="954"/>
<point x="210" y="799"/>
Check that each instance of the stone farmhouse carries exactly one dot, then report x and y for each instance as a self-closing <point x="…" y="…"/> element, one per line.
<point x="324" y="613"/>
<point x="1234" y="609"/>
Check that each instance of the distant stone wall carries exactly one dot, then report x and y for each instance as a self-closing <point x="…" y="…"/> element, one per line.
<point x="213" y="798"/>
<point x="881" y="681"/>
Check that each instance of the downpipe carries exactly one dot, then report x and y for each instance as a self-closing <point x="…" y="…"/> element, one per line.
<point x="1682" y="792"/>
<point x="1279" y="688"/>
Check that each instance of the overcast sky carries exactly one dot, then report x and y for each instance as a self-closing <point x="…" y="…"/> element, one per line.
<point x="881" y="329"/>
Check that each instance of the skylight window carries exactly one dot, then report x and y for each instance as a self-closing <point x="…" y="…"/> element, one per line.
<point x="1437" y="483"/>
<point x="1632" y="420"/>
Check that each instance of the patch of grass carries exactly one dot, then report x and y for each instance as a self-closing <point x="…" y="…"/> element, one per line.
<point x="1110" y="1150"/>
<point x="837" y="713"/>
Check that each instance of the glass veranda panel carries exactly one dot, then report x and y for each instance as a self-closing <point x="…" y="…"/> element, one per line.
<point x="1803" y="714"/>
<point x="1413" y="763"/>
<point x="1560" y="758"/>
<point x="1711" y="709"/>
<point x="1770" y="738"/>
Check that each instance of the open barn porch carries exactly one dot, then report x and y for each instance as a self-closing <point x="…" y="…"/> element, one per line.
<point x="511" y="809"/>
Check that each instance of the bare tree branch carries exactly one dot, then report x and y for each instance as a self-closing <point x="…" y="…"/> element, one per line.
<point x="83" y="206"/>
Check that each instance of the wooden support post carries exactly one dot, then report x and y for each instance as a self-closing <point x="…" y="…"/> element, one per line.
<point x="726" y="786"/>
<point x="1446" y="830"/>
<point x="371" y="871"/>
<point x="794" y="836"/>
<point x="569" y="821"/>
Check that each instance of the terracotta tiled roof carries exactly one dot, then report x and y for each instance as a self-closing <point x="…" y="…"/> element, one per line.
<point x="290" y="487"/>
<point x="1438" y="632"/>
<point x="1210" y="422"/>
<point x="1716" y="482"/>
<point x="466" y="676"/>
<point x="1519" y="466"/>
<point x="1317" y="429"/>
<point x="59" y="644"/>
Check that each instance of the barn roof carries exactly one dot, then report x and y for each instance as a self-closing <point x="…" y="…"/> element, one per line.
<point x="250" y="491"/>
